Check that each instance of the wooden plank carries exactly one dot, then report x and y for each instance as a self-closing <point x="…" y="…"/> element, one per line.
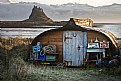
<point x="92" y="36"/>
<point x="55" y="43"/>
<point x="95" y="50"/>
<point x="85" y="46"/>
<point x="55" y="40"/>
<point x="74" y="47"/>
<point x="81" y="50"/>
<point x="64" y="47"/>
<point x="76" y="54"/>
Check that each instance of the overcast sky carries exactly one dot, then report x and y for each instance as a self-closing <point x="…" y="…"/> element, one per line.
<point x="90" y="2"/>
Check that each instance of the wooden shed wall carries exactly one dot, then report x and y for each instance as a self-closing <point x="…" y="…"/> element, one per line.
<point x="53" y="38"/>
<point x="56" y="38"/>
<point x="91" y="35"/>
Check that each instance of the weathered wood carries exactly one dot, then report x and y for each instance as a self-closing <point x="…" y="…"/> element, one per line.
<point x="92" y="36"/>
<point x="53" y="38"/>
<point x="72" y="44"/>
<point x="73" y="47"/>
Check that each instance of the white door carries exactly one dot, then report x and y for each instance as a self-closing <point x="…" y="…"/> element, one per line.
<point x="74" y="47"/>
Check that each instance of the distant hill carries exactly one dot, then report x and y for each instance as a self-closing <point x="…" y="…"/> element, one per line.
<point x="21" y="11"/>
<point x="36" y="19"/>
<point x="38" y="15"/>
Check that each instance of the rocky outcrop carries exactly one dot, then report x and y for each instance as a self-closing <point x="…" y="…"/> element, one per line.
<point x="38" y="15"/>
<point x="36" y="18"/>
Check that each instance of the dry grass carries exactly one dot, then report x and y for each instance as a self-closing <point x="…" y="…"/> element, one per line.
<point x="26" y="72"/>
<point x="19" y="70"/>
<point x="8" y="43"/>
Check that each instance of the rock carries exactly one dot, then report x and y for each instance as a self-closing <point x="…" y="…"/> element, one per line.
<point x="38" y="15"/>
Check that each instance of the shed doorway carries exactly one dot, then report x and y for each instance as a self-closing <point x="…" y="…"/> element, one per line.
<point x="74" y="47"/>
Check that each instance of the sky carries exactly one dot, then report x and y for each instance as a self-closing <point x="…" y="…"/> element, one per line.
<point x="4" y="1"/>
<point x="90" y="2"/>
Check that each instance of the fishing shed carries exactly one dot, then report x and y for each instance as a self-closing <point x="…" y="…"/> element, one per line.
<point x="75" y="45"/>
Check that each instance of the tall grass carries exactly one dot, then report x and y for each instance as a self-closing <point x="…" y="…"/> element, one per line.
<point x="21" y="72"/>
<point x="18" y="69"/>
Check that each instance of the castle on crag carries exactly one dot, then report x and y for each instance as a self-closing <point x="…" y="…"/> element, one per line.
<point x="38" y="15"/>
<point x="36" y="18"/>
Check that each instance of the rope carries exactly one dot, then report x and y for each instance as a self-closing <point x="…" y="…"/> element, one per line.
<point x="49" y="49"/>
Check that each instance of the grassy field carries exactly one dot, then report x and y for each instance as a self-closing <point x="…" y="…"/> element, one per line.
<point x="16" y="68"/>
<point x="25" y="72"/>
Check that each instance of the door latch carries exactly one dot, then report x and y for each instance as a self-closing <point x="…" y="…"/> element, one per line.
<point x="78" y="47"/>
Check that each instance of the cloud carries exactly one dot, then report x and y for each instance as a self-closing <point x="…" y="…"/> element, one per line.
<point x="5" y="1"/>
<point x="90" y="2"/>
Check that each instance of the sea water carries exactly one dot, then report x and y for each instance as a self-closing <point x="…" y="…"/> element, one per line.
<point x="33" y="32"/>
<point x="114" y="29"/>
